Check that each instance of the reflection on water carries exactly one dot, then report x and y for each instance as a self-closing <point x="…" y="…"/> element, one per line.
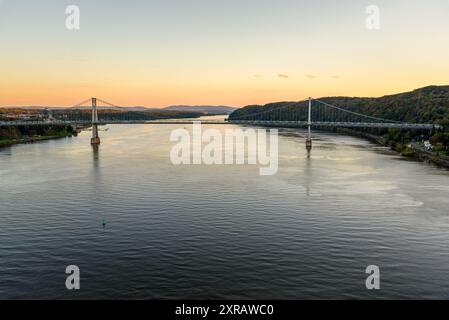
<point x="308" y="173"/>
<point x="96" y="155"/>
<point x="140" y="227"/>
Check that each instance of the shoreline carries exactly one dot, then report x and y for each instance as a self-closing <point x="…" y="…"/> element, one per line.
<point x="12" y="142"/>
<point x="23" y="135"/>
<point x="412" y="152"/>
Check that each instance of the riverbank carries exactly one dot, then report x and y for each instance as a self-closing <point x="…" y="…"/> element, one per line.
<point x="426" y="156"/>
<point x="409" y="151"/>
<point x="7" y="143"/>
<point x="24" y="134"/>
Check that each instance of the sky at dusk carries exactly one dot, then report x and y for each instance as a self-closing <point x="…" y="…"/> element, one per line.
<point x="156" y="53"/>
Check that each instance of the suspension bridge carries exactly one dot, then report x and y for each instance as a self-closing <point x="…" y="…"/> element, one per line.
<point x="315" y="113"/>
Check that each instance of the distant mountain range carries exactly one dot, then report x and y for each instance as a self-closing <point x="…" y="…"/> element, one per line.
<point x="83" y="108"/>
<point x="201" y="109"/>
<point x="204" y="109"/>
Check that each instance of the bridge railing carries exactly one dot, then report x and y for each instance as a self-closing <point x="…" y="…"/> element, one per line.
<point x="281" y="123"/>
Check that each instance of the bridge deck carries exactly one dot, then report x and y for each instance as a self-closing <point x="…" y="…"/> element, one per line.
<point x="290" y="124"/>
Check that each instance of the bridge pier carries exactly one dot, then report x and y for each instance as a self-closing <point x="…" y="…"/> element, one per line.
<point x="309" y="128"/>
<point x="95" y="138"/>
<point x="309" y="145"/>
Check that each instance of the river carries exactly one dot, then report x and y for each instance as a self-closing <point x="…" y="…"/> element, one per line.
<point x="219" y="232"/>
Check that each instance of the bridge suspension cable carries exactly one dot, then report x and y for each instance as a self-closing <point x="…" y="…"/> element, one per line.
<point x="89" y="101"/>
<point x="356" y="113"/>
<point x="321" y="114"/>
<point x="111" y="104"/>
<point x="80" y="104"/>
<point x="268" y="111"/>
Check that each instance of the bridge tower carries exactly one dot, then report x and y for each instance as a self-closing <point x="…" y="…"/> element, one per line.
<point x="95" y="138"/>
<point x="309" y="128"/>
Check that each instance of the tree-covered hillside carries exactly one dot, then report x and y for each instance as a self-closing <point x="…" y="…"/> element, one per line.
<point x="425" y="105"/>
<point x="16" y="134"/>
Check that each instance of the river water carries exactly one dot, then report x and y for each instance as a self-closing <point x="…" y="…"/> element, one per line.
<point x="220" y="232"/>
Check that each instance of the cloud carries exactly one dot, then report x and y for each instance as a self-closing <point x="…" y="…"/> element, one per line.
<point x="284" y="76"/>
<point x="257" y="76"/>
<point x="335" y="77"/>
<point x="310" y="76"/>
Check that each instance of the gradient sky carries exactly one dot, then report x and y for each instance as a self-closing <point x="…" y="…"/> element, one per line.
<point x="232" y="52"/>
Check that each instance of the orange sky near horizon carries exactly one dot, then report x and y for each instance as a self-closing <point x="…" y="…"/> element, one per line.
<point x="219" y="53"/>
